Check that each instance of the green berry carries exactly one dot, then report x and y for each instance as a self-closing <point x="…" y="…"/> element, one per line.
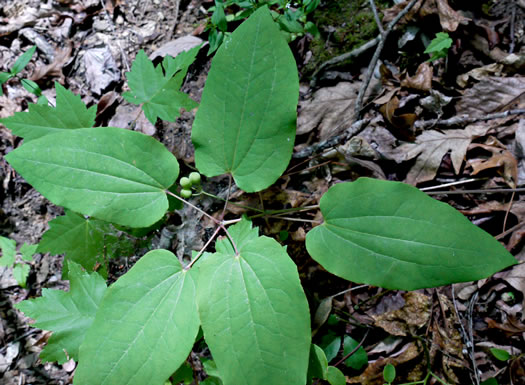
<point x="195" y="178"/>
<point x="185" y="193"/>
<point x="185" y="183"/>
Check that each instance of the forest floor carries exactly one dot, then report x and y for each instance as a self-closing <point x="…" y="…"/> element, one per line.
<point x="415" y="124"/>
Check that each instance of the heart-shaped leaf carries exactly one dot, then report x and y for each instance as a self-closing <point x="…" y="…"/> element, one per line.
<point x="110" y="173"/>
<point x="245" y="124"/>
<point x="253" y="311"/>
<point x="145" y="327"/>
<point x="392" y="235"/>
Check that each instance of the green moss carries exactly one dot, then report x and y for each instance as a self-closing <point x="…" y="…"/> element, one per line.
<point x="344" y="25"/>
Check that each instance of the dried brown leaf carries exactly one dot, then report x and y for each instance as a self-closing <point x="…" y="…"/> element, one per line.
<point x="62" y="56"/>
<point x="402" y="124"/>
<point x="430" y="148"/>
<point x="405" y="321"/>
<point x="422" y="80"/>
<point x="328" y="110"/>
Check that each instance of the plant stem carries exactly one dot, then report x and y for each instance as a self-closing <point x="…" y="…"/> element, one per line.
<point x="216" y="221"/>
<point x="203" y="248"/>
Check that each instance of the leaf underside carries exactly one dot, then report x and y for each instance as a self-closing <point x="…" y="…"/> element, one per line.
<point x="145" y="327"/>
<point x="392" y="235"/>
<point x="110" y="173"/>
<point x="253" y="310"/>
<point x="72" y="313"/>
<point x="245" y="124"/>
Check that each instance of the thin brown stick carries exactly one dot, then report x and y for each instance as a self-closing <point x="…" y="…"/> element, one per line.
<point x="375" y="58"/>
<point x="354" y="129"/>
<point x="508" y="210"/>
<point x="201" y="251"/>
<point x="512" y="26"/>
<point x="346" y="56"/>
<point x="354" y="349"/>
<point x="513" y="228"/>
<point x="486" y="191"/>
<point x="466" y="119"/>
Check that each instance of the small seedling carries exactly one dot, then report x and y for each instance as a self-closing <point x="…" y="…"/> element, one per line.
<point x="439" y="46"/>
<point x="389" y="373"/>
<point x="29" y="85"/>
<point x="9" y="258"/>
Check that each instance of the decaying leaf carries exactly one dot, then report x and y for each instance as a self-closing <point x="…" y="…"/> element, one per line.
<point x="422" y="80"/>
<point x="405" y="321"/>
<point x="430" y="148"/>
<point x="55" y="68"/>
<point x="402" y="124"/>
<point x="492" y="94"/>
<point x="328" y="109"/>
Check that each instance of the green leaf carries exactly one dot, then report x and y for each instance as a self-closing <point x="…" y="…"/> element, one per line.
<point x="442" y="41"/>
<point x="31" y="86"/>
<point x="158" y="93"/>
<point x="219" y="17"/>
<point x="70" y="113"/>
<point x="334" y="376"/>
<point x="359" y="358"/>
<point x="180" y="64"/>
<point x="67" y="314"/>
<point x="392" y="235"/>
<point x="4" y="77"/>
<point x="27" y="251"/>
<point x="20" y="273"/>
<point x="500" y="354"/>
<point x="145" y="327"/>
<point x="439" y="46"/>
<point x="490" y="381"/>
<point x="22" y="61"/>
<point x="245" y="124"/>
<point x="253" y="311"/>
<point x="110" y="173"/>
<point x="8" y="248"/>
<point x="389" y="373"/>
<point x="183" y="374"/>
<point x="81" y="239"/>
<point x="332" y="348"/>
<point x="317" y="364"/>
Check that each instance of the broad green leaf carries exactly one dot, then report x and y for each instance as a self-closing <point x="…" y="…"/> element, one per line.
<point x="179" y="64"/>
<point x="27" y="251"/>
<point x="334" y="376"/>
<point x="218" y="18"/>
<point x="22" y="61"/>
<point x="8" y="248"/>
<point x="67" y="314"/>
<point x="332" y="348"/>
<point x="245" y="124"/>
<point x="359" y="358"/>
<point x="392" y="235"/>
<point x="184" y="375"/>
<point x="20" y="273"/>
<point x="110" y="173"/>
<point x="31" y="86"/>
<point x="253" y="311"/>
<point x="158" y="93"/>
<point x="81" y="239"/>
<point x="317" y="364"/>
<point x="500" y="354"/>
<point x="145" y="327"/>
<point x="40" y="120"/>
<point x="389" y="373"/>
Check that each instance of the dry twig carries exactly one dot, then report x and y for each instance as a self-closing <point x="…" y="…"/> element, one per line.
<point x="466" y="119"/>
<point x="375" y="58"/>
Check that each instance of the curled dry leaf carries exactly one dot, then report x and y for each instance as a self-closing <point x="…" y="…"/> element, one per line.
<point x="504" y="161"/>
<point x="422" y="80"/>
<point x="493" y="69"/>
<point x="402" y="124"/>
